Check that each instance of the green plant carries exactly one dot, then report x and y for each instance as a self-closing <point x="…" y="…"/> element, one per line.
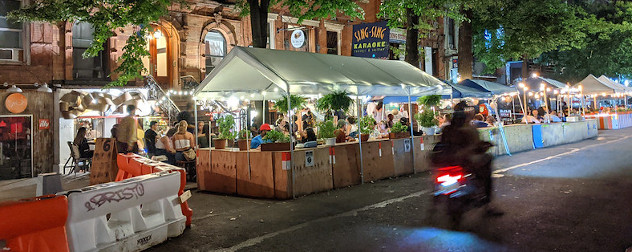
<point x="398" y="127"/>
<point x="326" y="129"/>
<point x="337" y="100"/>
<point x="274" y="136"/>
<point x="426" y="118"/>
<point x="296" y="100"/>
<point x="429" y="100"/>
<point x="226" y="125"/>
<point x="244" y="134"/>
<point x="367" y="123"/>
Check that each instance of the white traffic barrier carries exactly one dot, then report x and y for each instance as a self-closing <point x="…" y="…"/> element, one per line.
<point x="130" y="215"/>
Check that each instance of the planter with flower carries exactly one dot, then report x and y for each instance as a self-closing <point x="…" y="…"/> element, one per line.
<point x="366" y="125"/>
<point x="225" y="125"/>
<point x="398" y="130"/>
<point x="326" y="131"/>
<point x="244" y="139"/>
<point x="275" y="141"/>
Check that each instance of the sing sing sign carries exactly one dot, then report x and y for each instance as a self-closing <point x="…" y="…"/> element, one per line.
<point x="370" y="40"/>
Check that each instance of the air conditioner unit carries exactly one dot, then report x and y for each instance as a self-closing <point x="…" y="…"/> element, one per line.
<point x="10" y="54"/>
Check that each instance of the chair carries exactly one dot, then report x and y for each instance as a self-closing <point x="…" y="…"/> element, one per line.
<point x="76" y="160"/>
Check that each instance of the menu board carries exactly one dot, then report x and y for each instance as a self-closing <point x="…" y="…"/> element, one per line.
<point x="104" y="168"/>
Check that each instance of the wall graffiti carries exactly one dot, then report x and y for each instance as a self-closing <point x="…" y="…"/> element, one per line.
<point x="127" y="193"/>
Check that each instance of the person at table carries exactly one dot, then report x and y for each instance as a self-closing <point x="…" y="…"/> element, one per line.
<point x="478" y="121"/>
<point x="553" y="117"/>
<point x="308" y="135"/>
<point x="340" y="134"/>
<point x="258" y="140"/>
<point x="203" y="135"/>
<point x="150" y="138"/>
<point x="82" y="143"/>
<point x="127" y="133"/>
<point x="351" y="129"/>
<point x="533" y="118"/>
<point x="164" y="147"/>
<point x="183" y="140"/>
<point x="389" y="123"/>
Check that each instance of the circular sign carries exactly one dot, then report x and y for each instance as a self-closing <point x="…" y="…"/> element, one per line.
<point x="16" y="103"/>
<point x="298" y="38"/>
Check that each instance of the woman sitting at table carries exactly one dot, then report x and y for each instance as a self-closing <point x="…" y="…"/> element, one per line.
<point x="183" y="140"/>
<point x="341" y="137"/>
<point x="82" y="144"/>
<point x="533" y="118"/>
<point x="351" y="129"/>
<point x="164" y="147"/>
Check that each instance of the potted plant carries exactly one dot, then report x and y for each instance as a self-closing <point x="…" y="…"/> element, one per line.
<point x="366" y="125"/>
<point x="398" y="130"/>
<point x="326" y="131"/>
<point x="429" y="101"/>
<point x="225" y="126"/>
<point x="298" y="102"/>
<point x="427" y="121"/>
<point x="275" y="141"/>
<point x="334" y="101"/>
<point x="244" y="139"/>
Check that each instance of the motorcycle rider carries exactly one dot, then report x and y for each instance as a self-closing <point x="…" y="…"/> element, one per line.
<point x="462" y="145"/>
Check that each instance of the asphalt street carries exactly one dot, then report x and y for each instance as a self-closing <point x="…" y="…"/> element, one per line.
<point x="575" y="197"/>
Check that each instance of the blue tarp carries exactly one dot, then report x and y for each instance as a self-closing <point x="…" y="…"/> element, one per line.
<point x="460" y="91"/>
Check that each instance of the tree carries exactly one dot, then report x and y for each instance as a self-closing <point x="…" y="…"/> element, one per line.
<point x="606" y="52"/>
<point x="416" y="17"/>
<point x="526" y="29"/>
<point x="302" y="9"/>
<point x="471" y="10"/>
<point x="106" y="16"/>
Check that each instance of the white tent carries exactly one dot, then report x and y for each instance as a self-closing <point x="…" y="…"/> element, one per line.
<point x="251" y="71"/>
<point x="592" y="85"/>
<point x="617" y="87"/>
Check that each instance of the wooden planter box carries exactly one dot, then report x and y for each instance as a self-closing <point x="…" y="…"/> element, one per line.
<point x="399" y="135"/>
<point x="220" y="144"/>
<point x="243" y="144"/>
<point x="275" y="147"/>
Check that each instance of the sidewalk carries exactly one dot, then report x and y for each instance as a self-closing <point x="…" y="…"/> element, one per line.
<point x="25" y="188"/>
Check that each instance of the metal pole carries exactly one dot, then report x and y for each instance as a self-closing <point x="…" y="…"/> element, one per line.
<point x="289" y="113"/>
<point x="196" y="121"/>
<point x="513" y="106"/>
<point x="412" y="137"/>
<point x="263" y="109"/>
<point x="247" y="137"/>
<point x="524" y="110"/>
<point x="359" y="113"/>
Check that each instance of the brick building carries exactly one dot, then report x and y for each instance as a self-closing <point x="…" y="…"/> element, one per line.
<point x="184" y="45"/>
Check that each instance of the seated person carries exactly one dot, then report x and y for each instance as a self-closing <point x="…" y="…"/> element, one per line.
<point x="258" y="140"/>
<point x="341" y="137"/>
<point x="531" y="118"/>
<point x="491" y="120"/>
<point x="351" y="129"/>
<point x="82" y="143"/>
<point x="553" y="117"/>
<point x="164" y="147"/>
<point x="308" y="138"/>
<point x="478" y="121"/>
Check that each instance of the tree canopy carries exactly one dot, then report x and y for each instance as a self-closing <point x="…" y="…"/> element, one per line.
<point x="301" y="9"/>
<point x="606" y="52"/>
<point x="525" y="29"/>
<point x="106" y="17"/>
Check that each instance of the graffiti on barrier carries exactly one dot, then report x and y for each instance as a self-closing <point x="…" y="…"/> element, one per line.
<point x="127" y="193"/>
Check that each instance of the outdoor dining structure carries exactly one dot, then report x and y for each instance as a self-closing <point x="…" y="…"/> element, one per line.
<point x="614" y="113"/>
<point x="253" y="74"/>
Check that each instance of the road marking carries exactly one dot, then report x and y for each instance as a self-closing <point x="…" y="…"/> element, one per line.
<point x="556" y="156"/>
<point x="254" y="241"/>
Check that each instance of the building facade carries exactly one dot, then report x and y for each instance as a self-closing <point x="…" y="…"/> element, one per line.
<point x="184" y="47"/>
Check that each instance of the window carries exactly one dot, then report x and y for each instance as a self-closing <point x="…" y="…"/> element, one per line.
<point x="332" y="42"/>
<point x="451" y="34"/>
<point x="215" y="49"/>
<point x="11" y="33"/>
<point x="85" y="68"/>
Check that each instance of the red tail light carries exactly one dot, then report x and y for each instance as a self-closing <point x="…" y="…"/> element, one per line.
<point x="450" y="175"/>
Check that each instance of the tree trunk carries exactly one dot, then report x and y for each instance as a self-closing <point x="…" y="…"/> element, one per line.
<point x="412" y="38"/>
<point x="259" y="22"/>
<point x="466" y="57"/>
<point x="525" y="67"/>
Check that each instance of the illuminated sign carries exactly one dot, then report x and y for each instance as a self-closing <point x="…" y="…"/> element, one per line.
<point x="371" y="40"/>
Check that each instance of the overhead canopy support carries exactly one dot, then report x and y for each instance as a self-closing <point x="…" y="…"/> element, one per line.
<point x="248" y="72"/>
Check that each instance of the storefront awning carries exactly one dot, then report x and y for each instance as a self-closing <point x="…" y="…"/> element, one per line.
<point x="248" y="72"/>
<point x="487" y="86"/>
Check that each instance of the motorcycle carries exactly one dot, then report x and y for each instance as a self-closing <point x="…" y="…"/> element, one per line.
<point x="456" y="188"/>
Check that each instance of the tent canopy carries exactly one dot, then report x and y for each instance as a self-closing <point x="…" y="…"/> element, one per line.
<point x="592" y="85"/>
<point x="461" y="91"/>
<point x="534" y="83"/>
<point x="257" y="72"/>
<point x="617" y="87"/>
<point x="487" y="86"/>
